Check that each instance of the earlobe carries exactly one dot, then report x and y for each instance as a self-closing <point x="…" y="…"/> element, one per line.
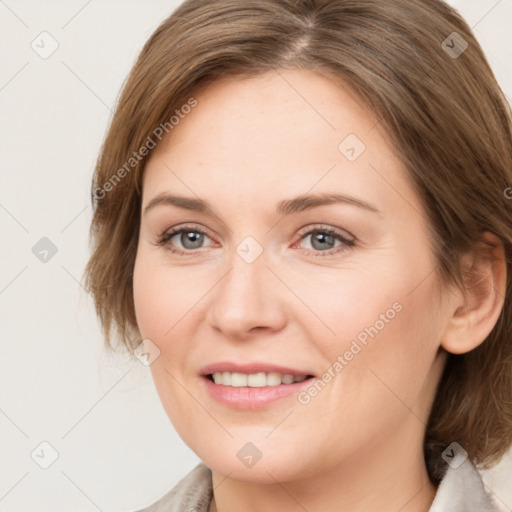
<point x="477" y="309"/>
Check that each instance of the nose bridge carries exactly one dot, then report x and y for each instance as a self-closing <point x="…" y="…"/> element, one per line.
<point x="247" y="296"/>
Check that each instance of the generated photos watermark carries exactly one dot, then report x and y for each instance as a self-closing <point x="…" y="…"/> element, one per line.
<point x="158" y="133"/>
<point x="356" y="346"/>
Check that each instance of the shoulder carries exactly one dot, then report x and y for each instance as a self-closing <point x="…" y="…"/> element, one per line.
<point x="193" y="492"/>
<point x="462" y="490"/>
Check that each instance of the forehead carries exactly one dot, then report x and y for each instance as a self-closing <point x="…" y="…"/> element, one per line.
<point x="279" y="134"/>
<point x="298" y="109"/>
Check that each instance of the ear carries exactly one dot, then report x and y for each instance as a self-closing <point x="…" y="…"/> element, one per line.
<point x="475" y="311"/>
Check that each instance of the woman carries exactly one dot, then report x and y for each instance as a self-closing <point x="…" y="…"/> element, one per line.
<point x="302" y="224"/>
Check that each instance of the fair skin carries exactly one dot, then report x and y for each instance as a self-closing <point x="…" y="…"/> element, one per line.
<point x="358" y="444"/>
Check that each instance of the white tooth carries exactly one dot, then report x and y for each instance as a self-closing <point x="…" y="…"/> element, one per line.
<point x="238" y="380"/>
<point x="273" y="379"/>
<point x="287" y="378"/>
<point x="257" y="380"/>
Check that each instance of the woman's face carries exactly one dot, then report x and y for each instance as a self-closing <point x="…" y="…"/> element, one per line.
<point x="265" y="281"/>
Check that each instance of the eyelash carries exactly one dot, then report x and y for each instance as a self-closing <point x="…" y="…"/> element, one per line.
<point x="165" y="237"/>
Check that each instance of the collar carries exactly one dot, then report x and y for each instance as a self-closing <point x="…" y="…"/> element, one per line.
<point x="462" y="490"/>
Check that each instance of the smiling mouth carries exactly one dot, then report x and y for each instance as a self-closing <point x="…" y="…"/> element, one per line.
<point x="255" y="380"/>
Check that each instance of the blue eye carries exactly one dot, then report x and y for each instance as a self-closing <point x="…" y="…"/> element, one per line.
<point x="189" y="238"/>
<point x="323" y="241"/>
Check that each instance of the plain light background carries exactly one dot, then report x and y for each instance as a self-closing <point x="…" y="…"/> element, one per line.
<point x="117" y="450"/>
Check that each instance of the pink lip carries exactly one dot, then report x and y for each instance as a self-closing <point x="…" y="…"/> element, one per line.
<point x="227" y="366"/>
<point x="246" y="397"/>
<point x="252" y="398"/>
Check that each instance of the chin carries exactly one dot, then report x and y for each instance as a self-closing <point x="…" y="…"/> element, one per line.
<point x="260" y="462"/>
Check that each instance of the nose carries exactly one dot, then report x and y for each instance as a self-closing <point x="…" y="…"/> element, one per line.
<point x="249" y="300"/>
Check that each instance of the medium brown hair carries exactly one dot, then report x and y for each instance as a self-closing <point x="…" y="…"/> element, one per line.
<point x="448" y="120"/>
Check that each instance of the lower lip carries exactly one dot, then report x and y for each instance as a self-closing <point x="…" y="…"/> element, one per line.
<point x="252" y="398"/>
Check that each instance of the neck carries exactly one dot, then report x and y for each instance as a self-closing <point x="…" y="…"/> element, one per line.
<point x="384" y="479"/>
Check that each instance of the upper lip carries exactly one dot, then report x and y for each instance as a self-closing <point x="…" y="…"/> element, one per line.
<point x="250" y="368"/>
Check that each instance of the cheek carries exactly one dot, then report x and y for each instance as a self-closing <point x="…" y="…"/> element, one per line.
<point x="382" y="320"/>
<point x="161" y="297"/>
<point x="389" y="298"/>
<point x="344" y="307"/>
<point x="169" y="305"/>
<point x="148" y="301"/>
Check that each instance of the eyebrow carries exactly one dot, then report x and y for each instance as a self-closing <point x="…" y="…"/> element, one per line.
<point x="286" y="207"/>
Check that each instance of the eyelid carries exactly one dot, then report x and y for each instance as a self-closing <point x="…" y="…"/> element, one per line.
<point x="184" y="227"/>
<point x="347" y="241"/>
<point x="168" y="233"/>
<point x="342" y="233"/>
